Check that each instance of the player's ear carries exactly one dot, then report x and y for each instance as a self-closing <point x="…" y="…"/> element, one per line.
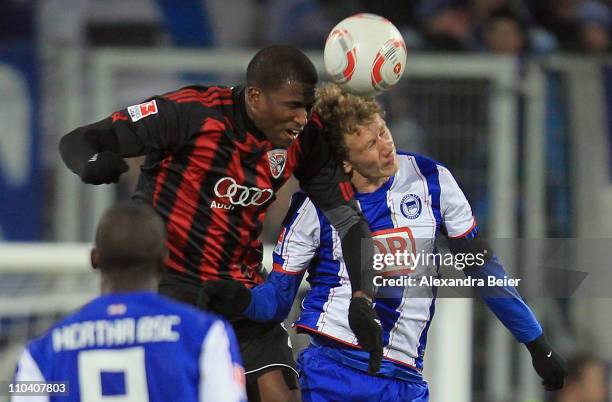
<point x="348" y="168"/>
<point x="95" y="258"/>
<point x="253" y="95"/>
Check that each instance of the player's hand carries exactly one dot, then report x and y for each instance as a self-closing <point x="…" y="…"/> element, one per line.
<point x="225" y="297"/>
<point x="365" y="324"/>
<point x="549" y="364"/>
<point x="104" y="168"/>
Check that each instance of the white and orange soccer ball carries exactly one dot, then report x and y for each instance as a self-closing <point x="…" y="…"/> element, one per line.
<point x="365" y="54"/>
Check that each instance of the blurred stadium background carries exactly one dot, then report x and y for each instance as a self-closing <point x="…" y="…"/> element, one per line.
<point x="514" y="96"/>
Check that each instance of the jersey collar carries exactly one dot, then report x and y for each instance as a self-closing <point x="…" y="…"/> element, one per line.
<point x="376" y="195"/>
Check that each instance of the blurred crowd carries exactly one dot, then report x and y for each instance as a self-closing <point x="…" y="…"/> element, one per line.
<point x="505" y="26"/>
<point x="499" y="26"/>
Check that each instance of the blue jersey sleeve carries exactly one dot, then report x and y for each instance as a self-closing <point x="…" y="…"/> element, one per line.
<point x="505" y="302"/>
<point x="272" y="300"/>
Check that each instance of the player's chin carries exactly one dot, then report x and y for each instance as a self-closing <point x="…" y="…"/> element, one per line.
<point x="283" y="140"/>
<point x="390" y="169"/>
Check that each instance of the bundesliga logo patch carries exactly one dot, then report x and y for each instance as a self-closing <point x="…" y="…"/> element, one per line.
<point x="137" y="112"/>
<point x="277" y="159"/>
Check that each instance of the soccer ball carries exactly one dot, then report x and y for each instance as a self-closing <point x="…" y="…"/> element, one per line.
<point x="365" y="54"/>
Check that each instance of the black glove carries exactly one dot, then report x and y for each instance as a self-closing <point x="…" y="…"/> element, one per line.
<point x="103" y="168"/>
<point x="225" y="297"/>
<point x="549" y="364"/>
<point x="365" y="324"/>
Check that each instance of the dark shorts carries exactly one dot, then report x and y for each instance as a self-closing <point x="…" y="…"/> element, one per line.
<point x="263" y="346"/>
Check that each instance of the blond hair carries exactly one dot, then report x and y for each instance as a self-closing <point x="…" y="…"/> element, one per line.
<point x="341" y="113"/>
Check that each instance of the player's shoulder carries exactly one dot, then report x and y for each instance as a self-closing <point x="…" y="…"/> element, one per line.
<point x="301" y="201"/>
<point x="212" y="101"/>
<point x="300" y="204"/>
<point x="418" y="158"/>
<point x="195" y="91"/>
<point x="299" y="197"/>
<point x="81" y="314"/>
<point x="40" y="345"/>
<point x="425" y="164"/>
<point x="136" y="304"/>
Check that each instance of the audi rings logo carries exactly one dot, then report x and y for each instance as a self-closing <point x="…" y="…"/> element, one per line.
<point x="242" y="195"/>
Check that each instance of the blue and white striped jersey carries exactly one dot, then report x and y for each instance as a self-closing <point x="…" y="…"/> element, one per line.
<point x="405" y="213"/>
<point x="137" y="347"/>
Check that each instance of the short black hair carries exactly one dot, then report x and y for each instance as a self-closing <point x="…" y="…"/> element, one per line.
<point x="130" y="235"/>
<point x="274" y="66"/>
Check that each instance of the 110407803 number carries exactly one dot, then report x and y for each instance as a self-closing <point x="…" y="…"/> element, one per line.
<point x="33" y="388"/>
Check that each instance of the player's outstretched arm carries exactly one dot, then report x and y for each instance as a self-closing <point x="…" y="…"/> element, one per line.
<point x="95" y="152"/>
<point x="508" y="306"/>
<point x="268" y="302"/>
<point x="272" y="300"/>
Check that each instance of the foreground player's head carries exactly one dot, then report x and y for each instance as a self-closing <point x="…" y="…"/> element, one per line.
<point x="280" y="90"/>
<point x="358" y="134"/>
<point x="130" y="248"/>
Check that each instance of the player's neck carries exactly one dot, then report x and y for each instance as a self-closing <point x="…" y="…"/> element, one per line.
<point x="367" y="185"/>
<point x="110" y="285"/>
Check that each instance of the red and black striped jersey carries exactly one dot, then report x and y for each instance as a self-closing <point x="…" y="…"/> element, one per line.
<point x="211" y="174"/>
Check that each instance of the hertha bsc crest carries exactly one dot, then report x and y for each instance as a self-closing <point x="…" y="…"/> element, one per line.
<point x="277" y="159"/>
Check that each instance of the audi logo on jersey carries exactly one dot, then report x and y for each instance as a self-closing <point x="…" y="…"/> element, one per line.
<point x="238" y="194"/>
